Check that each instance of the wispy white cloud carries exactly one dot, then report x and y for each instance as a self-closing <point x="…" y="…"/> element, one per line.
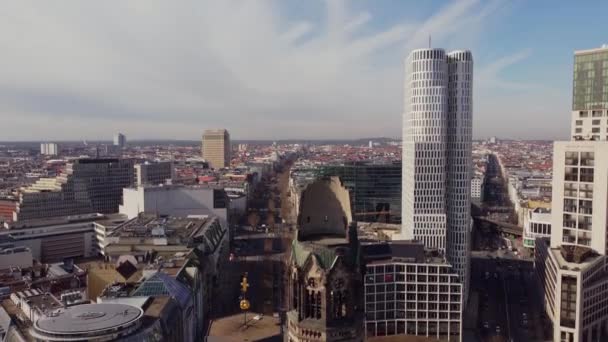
<point x="492" y="75"/>
<point x="170" y="69"/>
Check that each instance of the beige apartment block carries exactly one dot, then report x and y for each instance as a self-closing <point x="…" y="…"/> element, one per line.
<point x="216" y="147"/>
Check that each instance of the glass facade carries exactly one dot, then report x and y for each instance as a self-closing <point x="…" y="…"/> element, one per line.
<point x="375" y="189"/>
<point x="590" y="80"/>
<point x="87" y="186"/>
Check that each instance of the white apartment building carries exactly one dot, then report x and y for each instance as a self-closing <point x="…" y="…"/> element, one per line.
<point x="409" y="291"/>
<point x="49" y="149"/>
<point x="477" y="189"/>
<point x="437" y="163"/>
<point x="537" y="224"/>
<point x="572" y="266"/>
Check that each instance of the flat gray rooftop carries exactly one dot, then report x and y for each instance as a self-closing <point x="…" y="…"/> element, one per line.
<point x="88" y="318"/>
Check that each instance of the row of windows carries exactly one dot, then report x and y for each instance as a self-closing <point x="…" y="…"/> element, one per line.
<point x="592" y="113"/>
<point x="412" y="327"/>
<point x="594" y="122"/>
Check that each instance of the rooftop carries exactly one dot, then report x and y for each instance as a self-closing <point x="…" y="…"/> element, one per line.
<point x="39" y="300"/>
<point x="88" y="318"/>
<point x="573" y="258"/>
<point x="576" y="254"/>
<point x="150" y="226"/>
<point x="604" y="47"/>
<point x="53" y="221"/>
<point x="400" y="250"/>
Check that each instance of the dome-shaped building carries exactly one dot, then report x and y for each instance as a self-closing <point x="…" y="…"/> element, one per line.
<point x="325" y="268"/>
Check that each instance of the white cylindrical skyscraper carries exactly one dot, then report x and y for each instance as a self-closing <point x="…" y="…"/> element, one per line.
<point x="424" y="148"/>
<point x="436" y="201"/>
<point x="459" y="162"/>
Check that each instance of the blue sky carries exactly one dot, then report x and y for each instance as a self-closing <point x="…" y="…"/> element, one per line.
<point x="279" y="69"/>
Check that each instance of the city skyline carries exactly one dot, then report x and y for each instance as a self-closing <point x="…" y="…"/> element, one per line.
<point x="297" y="171"/>
<point x="131" y="69"/>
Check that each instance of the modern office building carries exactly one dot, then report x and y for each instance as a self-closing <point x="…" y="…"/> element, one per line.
<point x="410" y="291"/>
<point x="325" y="281"/>
<point x="154" y="173"/>
<point x="590" y="95"/>
<point x="216" y="148"/>
<point x="59" y="238"/>
<point x="86" y="186"/>
<point x="572" y="265"/>
<point x="437" y="162"/>
<point x="49" y="149"/>
<point x="120" y="140"/>
<point x="375" y="189"/>
<point x="537" y="224"/>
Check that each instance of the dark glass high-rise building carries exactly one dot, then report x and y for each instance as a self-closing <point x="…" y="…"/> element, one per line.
<point x="86" y="186"/>
<point x="590" y="95"/>
<point x="375" y="189"/>
<point x="590" y="89"/>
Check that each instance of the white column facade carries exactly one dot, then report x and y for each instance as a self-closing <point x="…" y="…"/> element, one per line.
<point x="459" y="163"/>
<point x="424" y="148"/>
<point x="438" y="105"/>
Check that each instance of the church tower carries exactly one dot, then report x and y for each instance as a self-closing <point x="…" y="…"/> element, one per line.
<point x="325" y="268"/>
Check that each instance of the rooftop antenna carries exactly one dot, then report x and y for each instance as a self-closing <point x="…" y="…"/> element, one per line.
<point x="429" y="41"/>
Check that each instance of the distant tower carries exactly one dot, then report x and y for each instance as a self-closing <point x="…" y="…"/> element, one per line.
<point x="436" y="203"/>
<point x="216" y="147"/>
<point x="371" y="144"/>
<point x="49" y="149"/>
<point x="120" y="140"/>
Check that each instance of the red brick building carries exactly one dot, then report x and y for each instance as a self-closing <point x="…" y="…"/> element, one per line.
<point x="7" y="206"/>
